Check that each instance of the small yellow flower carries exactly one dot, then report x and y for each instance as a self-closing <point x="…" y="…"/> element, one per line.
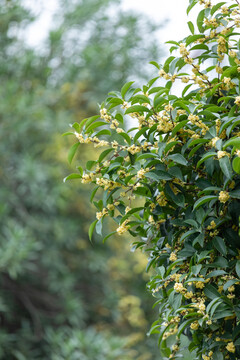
<point x="237" y="101"/>
<point x="123" y="228"/>
<point x="230" y="347"/>
<point x="194" y="325"/>
<point x="178" y="287"/>
<point x="221" y="154"/>
<point x="173" y="257"/>
<point x="205" y="357"/>
<point x="223" y="196"/>
<point x="199" y="285"/>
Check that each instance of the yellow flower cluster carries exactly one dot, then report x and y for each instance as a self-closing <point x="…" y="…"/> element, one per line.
<point x="196" y="121"/>
<point x="221" y="154"/>
<point x="107" y="184"/>
<point x="123" y="227"/>
<point x="163" y="74"/>
<point x="133" y="149"/>
<point x="194" y="325"/>
<point x="161" y="199"/>
<point x="104" y="115"/>
<point x="179" y="288"/>
<point x="212" y="22"/>
<point x="210" y="354"/>
<point x="231" y="347"/>
<point x="237" y="100"/>
<point x="114" y="124"/>
<point x="173" y="257"/>
<point x="223" y="196"/>
<point x="214" y="141"/>
<point x="165" y="125"/>
<point x="170" y="332"/>
<point x="207" y="3"/>
<point x="183" y="50"/>
<point x="212" y="225"/>
<point x="141" y="173"/>
<point x="100" y="214"/>
<point x="87" y="178"/>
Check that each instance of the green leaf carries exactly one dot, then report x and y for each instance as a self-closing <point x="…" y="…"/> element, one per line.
<point x="191" y="27"/>
<point x="152" y="176"/>
<point x="211" y="292"/>
<point x="154" y="63"/>
<point x="238" y="268"/>
<point x="184" y="325"/>
<point x="236" y="165"/>
<point x="167" y="62"/>
<point x="204" y="200"/>
<point x="72" y="152"/>
<point x="186" y="234"/>
<point x="219" y="244"/>
<point x="213" y="302"/>
<point x="192" y="4"/>
<point x="80" y="169"/>
<point x="89" y="121"/>
<point x="103" y="132"/>
<point x="229" y="283"/>
<point x="217" y="6"/>
<point x="216" y="273"/>
<point x="225" y="166"/>
<point x="172" y="42"/>
<point x="140" y="133"/>
<point x="200" y="47"/>
<point x="218" y="355"/>
<point x="104" y="154"/>
<point x="90" y="164"/>
<point x="140" y="98"/>
<point x="72" y="176"/>
<point x="198" y="141"/>
<point x="136" y="108"/>
<point x="179" y="126"/>
<point x="205" y="157"/>
<point x="99" y="227"/>
<point x="235" y="194"/>
<point x="190" y="39"/>
<point x="94" y="126"/>
<point x="109" y="235"/>
<point x="91" y="229"/>
<point x="125" y="88"/>
<point x="200" y="19"/>
<point x="126" y="137"/>
<point x="93" y="193"/>
<point x="178" y="158"/>
<point x="146" y="156"/>
<point x="68" y="133"/>
<point x="232" y="142"/>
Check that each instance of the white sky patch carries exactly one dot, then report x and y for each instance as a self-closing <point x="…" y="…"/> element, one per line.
<point x="44" y="11"/>
<point x="159" y="11"/>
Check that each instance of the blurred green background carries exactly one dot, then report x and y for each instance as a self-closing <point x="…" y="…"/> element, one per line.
<point x="60" y="296"/>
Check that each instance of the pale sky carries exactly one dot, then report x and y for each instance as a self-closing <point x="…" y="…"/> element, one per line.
<point x="158" y="10"/>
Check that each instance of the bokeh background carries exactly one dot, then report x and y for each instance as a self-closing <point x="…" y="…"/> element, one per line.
<point x="61" y="297"/>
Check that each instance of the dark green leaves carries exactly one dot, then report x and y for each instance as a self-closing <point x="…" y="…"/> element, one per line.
<point x="225" y="166"/>
<point x="136" y="108"/>
<point x="178" y="158"/>
<point x="72" y="152"/>
<point x="125" y="88"/>
<point x="203" y="200"/>
<point x="236" y="165"/>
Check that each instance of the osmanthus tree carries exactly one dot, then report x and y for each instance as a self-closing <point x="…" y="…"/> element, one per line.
<point x="172" y="181"/>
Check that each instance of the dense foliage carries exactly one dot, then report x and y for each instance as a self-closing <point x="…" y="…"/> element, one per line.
<point x="172" y="181"/>
<point x="58" y="292"/>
